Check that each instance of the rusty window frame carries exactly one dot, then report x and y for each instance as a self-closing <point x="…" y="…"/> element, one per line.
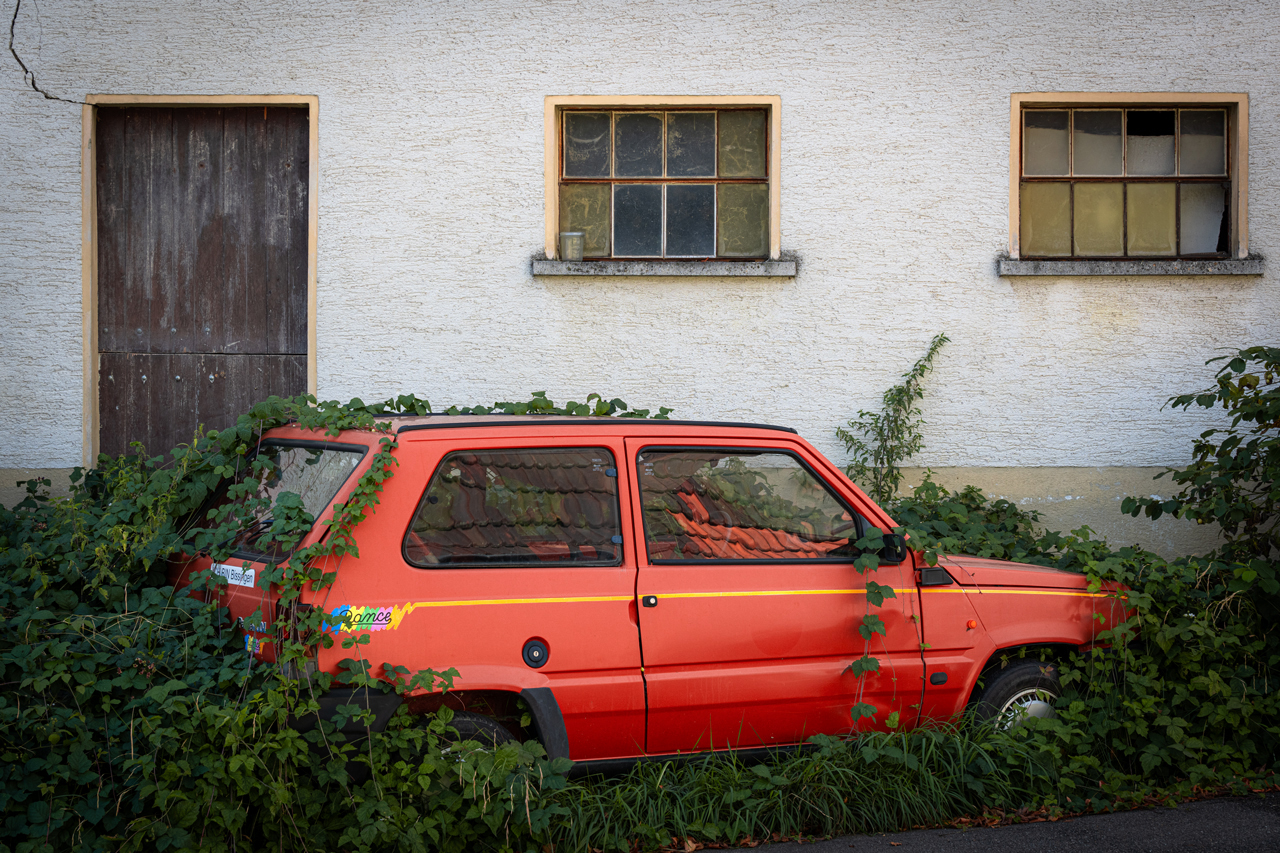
<point x="665" y="180"/>
<point x="1228" y="177"/>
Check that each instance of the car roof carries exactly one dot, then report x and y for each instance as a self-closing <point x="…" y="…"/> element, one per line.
<point x="410" y="423"/>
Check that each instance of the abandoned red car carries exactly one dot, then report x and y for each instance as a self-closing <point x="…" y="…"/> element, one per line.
<point x="652" y="587"/>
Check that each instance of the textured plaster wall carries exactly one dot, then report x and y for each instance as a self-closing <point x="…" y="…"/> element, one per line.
<point x="894" y="198"/>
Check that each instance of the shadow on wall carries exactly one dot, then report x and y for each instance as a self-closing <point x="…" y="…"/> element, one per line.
<point x="1068" y="498"/>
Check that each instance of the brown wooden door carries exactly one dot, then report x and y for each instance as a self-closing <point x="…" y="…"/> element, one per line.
<point x="202" y="267"/>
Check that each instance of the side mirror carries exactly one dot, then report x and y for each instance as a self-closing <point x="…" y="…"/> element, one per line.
<point x="894" y="549"/>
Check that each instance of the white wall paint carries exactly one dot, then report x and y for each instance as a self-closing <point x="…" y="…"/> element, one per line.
<point x="894" y="182"/>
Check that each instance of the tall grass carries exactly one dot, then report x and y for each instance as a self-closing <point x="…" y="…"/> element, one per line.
<point x="871" y="782"/>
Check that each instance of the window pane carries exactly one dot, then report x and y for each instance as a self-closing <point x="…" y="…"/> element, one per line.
<point x="585" y="208"/>
<point x="1150" y="141"/>
<point x="691" y="220"/>
<point x="1151" y="218"/>
<point x="1202" y="143"/>
<point x="1099" y="219"/>
<point x="742" y="145"/>
<point x="691" y="145"/>
<point x="743" y="220"/>
<point x="513" y="507"/>
<point x="1205" y="224"/>
<point x="586" y="145"/>
<point x="1098" y="147"/>
<point x="637" y="220"/>
<point x="718" y="505"/>
<point x="1044" y="142"/>
<point x="638" y="145"/>
<point x="1045" y="211"/>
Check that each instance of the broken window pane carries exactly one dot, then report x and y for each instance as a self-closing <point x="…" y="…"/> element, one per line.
<point x="1150" y="142"/>
<point x="1204" y="220"/>
<point x="585" y="208"/>
<point x="1099" y="219"/>
<point x="1045" y="211"/>
<point x="586" y="145"/>
<point x="691" y="145"/>
<point x="691" y="220"/>
<point x="1098" y="146"/>
<point x="638" y="145"/>
<point x="1045" y="143"/>
<point x="637" y="220"/>
<point x="743" y="220"/>
<point x="742" y="144"/>
<point x="1202" y="142"/>
<point x="1151" y="219"/>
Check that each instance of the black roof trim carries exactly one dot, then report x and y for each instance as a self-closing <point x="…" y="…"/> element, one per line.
<point x="582" y="421"/>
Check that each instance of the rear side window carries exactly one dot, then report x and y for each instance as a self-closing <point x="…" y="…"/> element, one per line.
<point x="556" y="506"/>
<point x="740" y="505"/>
<point x="313" y="472"/>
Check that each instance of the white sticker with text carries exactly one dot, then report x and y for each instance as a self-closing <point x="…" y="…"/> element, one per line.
<point x="233" y="575"/>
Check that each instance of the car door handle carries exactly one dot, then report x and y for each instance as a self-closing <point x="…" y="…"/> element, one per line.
<point x="649" y="600"/>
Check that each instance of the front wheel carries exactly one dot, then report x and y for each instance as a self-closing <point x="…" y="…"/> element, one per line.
<point x="484" y="730"/>
<point x="1025" y="689"/>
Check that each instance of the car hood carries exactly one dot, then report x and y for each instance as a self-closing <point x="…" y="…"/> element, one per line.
<point x="980" y="571"/>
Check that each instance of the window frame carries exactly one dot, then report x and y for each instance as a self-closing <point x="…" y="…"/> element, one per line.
<point x="860" y="521"/>
<point x="556" y="105"/>
<point x="1237" y="109"/>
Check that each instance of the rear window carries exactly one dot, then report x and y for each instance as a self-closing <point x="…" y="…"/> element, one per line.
<point x="312" y="471"/>
<point x="555" y="506"/>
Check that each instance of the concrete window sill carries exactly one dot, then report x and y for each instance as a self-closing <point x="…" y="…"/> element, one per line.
<point x="728" y="269"/>
<point x="1251" y="265"/>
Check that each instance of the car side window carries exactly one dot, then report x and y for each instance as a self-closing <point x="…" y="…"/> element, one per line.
<point x="740" y="505"/>
<point x="539" y="506"/>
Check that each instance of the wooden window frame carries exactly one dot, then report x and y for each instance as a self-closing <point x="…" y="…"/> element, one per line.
<point x="89" y="228"/>
<point x="555" y="105"/>
<point x="1236" y="105"/>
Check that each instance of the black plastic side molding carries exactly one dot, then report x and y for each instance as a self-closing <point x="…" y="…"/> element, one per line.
<point x="547" y="720"/>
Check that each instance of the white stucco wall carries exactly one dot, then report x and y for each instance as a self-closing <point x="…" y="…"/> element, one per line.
<point x="895" y="121"/>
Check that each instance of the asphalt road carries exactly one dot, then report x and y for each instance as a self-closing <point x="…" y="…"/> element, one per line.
<point x="1229" y="823"/>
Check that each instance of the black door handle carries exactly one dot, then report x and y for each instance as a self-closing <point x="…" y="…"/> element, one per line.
<point x="649" y="600"/>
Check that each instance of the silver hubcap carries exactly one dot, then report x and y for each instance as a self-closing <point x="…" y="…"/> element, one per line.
<point x="1033" y="702"/>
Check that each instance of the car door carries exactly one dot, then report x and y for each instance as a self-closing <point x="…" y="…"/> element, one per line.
<point x="750" y="603"/>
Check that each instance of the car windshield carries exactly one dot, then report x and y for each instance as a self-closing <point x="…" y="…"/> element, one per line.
<point x="313" y="472"/>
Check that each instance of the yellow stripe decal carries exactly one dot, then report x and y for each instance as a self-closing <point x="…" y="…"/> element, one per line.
<point x="478" y="601"/>
<point x="1002" y="591"/>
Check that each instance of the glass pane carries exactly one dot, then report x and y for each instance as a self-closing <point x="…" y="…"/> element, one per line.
<point x="742" y="220"/>
<point x="1205" y="223"/>
<point x="1150" y="141"/>
<point x="718" y="505"/>
<point x="742" y="145"/>
<point x="586" y="145"/>
<point x="637" y="220"/>
<point x="1044" y="142"/>
<point x="638" y="145"/>
<point x="585" y="208"/>
<point x="691" y="220"/>
<point x="1151" y="219"/>
<point x="1045" y="211"/>
<point x="691" y="145"/>
<point x="1099" y="219"/>
<point x="513" y="507"/>
<point x="1098" y="148"/>
<point x="313" y="473"/>
<point x="1202" y="142"/>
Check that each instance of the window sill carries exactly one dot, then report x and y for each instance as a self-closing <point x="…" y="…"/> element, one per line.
<point x="729" y="269"/>
<point x="1251" y="265"/>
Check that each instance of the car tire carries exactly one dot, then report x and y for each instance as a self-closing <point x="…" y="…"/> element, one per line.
<point x="1027" y="688"/>
<point x="485" y="731"/>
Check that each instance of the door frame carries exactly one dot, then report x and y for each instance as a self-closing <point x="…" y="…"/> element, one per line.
<point x="89" y="228"/>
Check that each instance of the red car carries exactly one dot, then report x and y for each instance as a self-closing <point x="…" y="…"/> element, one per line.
<point x="652" y="587"/>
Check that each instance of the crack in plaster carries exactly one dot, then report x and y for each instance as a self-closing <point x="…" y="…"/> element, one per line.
<point x="27" y="73"/>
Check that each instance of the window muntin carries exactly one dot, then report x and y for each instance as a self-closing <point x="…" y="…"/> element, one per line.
<point x="1125" y="182"/>
<point x="312" y="471"/>
<point x="538" y="506"/>
<point x="691" y="183"/>
<point x="739" y="506"/>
